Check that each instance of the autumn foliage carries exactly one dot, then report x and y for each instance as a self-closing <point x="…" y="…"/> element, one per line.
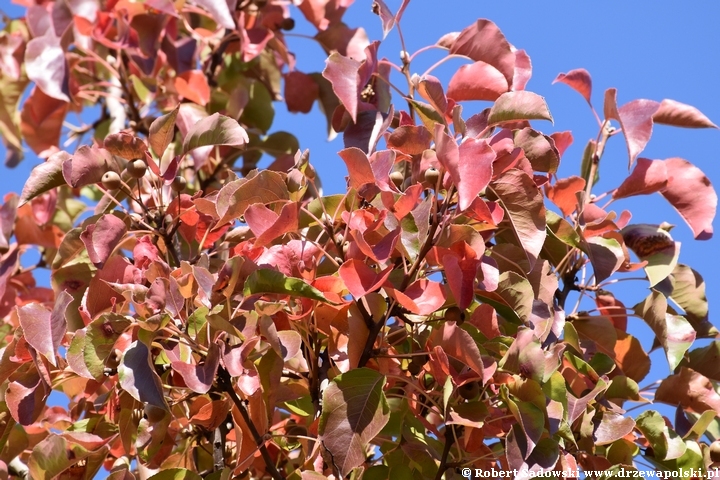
<point x="208" y="319"/>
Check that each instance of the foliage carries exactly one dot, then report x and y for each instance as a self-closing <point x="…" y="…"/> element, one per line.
<point x="208" y="319"/>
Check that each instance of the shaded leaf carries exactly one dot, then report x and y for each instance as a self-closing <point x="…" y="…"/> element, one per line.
<point x="199" y="378"/>
<point x="301" y="91"/>
<point x="44" y="177"/>
<point x="176" y="474"/>
<point x="539" y="149"/>
<point x="354" y="411"/>
<point x="655" y="246"/>
<point x="606" y="256"/>
<point x="45" y="65"/>
<point x="648" y="176"/>
<point x="215" y="130"/>
<point x="673" y="332"/>
<point x="162" y="131"/>
<point x="516" y="106"/>
<point x="136" y="374"/>
<point x="688" y="291"/>
<point x="689" y="389"/>
<point x="525" y="208"/>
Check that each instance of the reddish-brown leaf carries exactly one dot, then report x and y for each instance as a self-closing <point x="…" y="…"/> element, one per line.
<point x="477" y="81"/>
<point x="564" y="193"/>
<point x="361" y="279"/>
<point x="199" y="378"/>
<point x="101" y="238"/>
<point x="648" y="176"/>
<point x="689" y="389"/>
<point x="268" y="225"/>
<point x="192" y="85"/>
<point x="431" y="89"/>
<point x="41" y="120"/>
<point x="579" y="80"/>
<point x="681" y="115"/>
<point x="26" y="396"/>
<point x="301" y="91"/>
<point x="87" y="166"/>
<point x="422" y="297"/>
<point x="410" y="139"/>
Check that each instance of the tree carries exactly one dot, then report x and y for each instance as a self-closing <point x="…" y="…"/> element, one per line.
<point x="208" y="319"/>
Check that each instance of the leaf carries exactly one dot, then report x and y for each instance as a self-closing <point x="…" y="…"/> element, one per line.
<point x="87" y="166"/>
<point x="469" y="165"/>
<point x="136" y="374"/>
<point x="688" y="291"/>
<point x="666" y="444"/>
<point x="674" y="333"/>
<point x="125" y="145"/>
<point x="45" y="65"/>
<point x="690" y="192"/>
<point x="387" y="19"/>
<point x="193" y="85"/>
<point x="410" y="139"/>
<point x="564" y="193"/>
<point x="215" y="130"/>
<point x="162" y="131"/>
<point x="477" y="81"/>
<point x="523" y="202"/>
<point x="44" y="177"/>
<point x="342" y="73"/>
<point x="36" y="322"/>
<point x="523" y="70"/>
<point x="301" y="91"/>
<point x="200" y="378"/>
<point x="431" y="89"/>
<point x="361" y="279"/>
<point x="459" y="344"/>
<point x="265" y="280"/>
<point x="233" y="199"/>
<point x="176" y="474"/>
<point x="689" y="389"/>
<point x="101" y="238"/>
<point x="515" y="106"/>
<point x="268" y="225"/>
<point x="636" y="121"/>
<point x="354" y="411"/>
<point x="606" y="256"/>
<point x="648" y="176"/>
<point x="26" y="397"/>
<point x="41" y="120"/>
<point x="613" y="426"/>
<point x="484" y="42"/>
<point x="655" y="246"/>
<point x="681" y="115"/>
<point x="539" y="149"/>
<point x="219" y="11"/>
<point x="91" y="346"/>
<point x="579" y="80"/>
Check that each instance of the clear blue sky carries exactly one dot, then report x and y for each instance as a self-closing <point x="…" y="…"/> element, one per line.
<point x="655" y="50"/>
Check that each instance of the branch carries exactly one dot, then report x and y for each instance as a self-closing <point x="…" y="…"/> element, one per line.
<point x="225" y="382"/>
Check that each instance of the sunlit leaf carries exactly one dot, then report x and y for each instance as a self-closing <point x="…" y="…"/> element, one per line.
<point x="265" y="280"/>
<point x="215" y="130"/>
<point x="162" y="131"/>
<point x="516" y="106"/>
<point x="579" y="80"/>
<point x="679" y="114"/>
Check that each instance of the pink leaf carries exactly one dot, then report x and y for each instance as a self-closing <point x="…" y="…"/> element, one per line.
<point x="35" y="322"/>
<point x="45" y="65"/>
<point x="101" y="238"/>
<point x="200" y="377"/>
<point x="523" y="70"/>
<point x="87" y="166"/>
<point x="648" y="176"/>
<point x="469" y="165"/>
<point x="219" y="11"/>
<point x="477" y="81"/>
<point x="516" y="106"/>
<point x="562" y="141"/>
<point x="422" y="297"/>
<point x="268" y="225"/>
<point x="410" y="139"/>
<point x="579" y="80"/>
<point x="681" y="115"/>
<point x="461" y="270"/>
<point x="484" y="42"/>
<point x="692" y="195"/>
<point x="386" y="16"/>
<point x="301" y="91"/>
<point x="361" y="279"/>
<point x="636" y="121"/>
<point x="342" y="72"/>
<point x="431" y="90"/>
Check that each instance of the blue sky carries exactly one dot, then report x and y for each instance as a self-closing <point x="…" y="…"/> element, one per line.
<point x="654" y="50"/>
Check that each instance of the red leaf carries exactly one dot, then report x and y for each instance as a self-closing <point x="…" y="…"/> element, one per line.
<point x="562" y="141"/>
<point x="477" y="81"/>
<point x="579" y="80"/>
<point x="192" y="85"/>
<point x="361" y="279"/>
<point x="613" y="308"/>
<point x="681" y="115"/>
<point x="349" y="77"/>
<point x="469" y="165"/>
<point x="692" y="195"/>
<point x="199" y="378"/>
<point x="484" y="42"/>
<point x="268" y="225"/>
<point x="564" y="193"/>
<point x="422" y="297"/>
<point x="44" y="330"/>
<point x="458" y="343"/>
<point x="301" y="91"/>
<point x="647" y="177"/>
<point x="431" y="90"/>
<point x="101" y="238"/>
<point x="41" y="120"/>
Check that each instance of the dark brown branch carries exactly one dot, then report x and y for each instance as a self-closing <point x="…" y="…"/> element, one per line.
<point x="225" y="382"/>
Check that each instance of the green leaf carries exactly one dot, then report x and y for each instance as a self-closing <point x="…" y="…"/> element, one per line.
<point x="688" y="291"/>
<point x="673" y="332"/>
<point x="516" y="106"/>
<point x="176" y="474"/>
<point x="272" y="281"/>
<point x="701" y="425"/>
<point x="654" y="245"/>
<point x="215" y="130"/>
<point x="587" y="163"/>
<point x="162" y="131"/>
<point x="354" y="411"/>
<point x="280" y="143"/>
<point x="667" y="445"/>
